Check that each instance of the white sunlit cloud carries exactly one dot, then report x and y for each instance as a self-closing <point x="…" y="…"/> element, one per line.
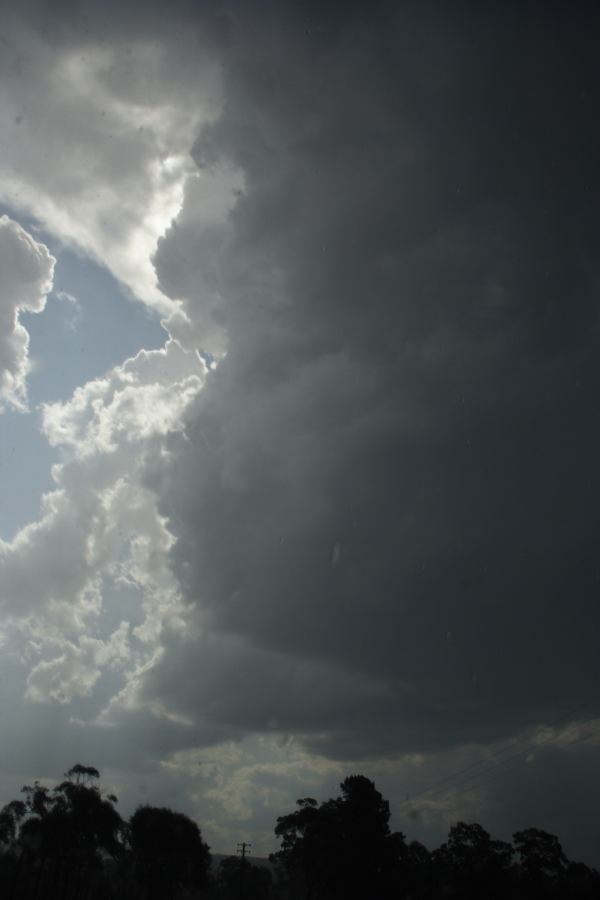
<point x="27" y="269"/>
<point x="100" y="531"/>
<point x="99" y="149"/>
<point x="99" y="153"/>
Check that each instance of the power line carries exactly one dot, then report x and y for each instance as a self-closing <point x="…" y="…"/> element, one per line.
<point x="576" y="740"/>
<point x="441" y="786"/>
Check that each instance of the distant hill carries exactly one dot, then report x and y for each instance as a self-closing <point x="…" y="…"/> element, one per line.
<point x="262" y="861"/>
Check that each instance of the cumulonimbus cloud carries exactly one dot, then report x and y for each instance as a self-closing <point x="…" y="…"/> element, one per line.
<point x="386" y="465"/>
<point x="388" y="236"/>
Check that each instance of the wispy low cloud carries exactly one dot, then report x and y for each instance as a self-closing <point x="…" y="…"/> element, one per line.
<point x="72" y="309"/>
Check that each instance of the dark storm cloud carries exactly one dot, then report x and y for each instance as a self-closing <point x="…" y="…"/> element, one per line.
<point x="394" y="468"/>
<point x="234" y="687"/>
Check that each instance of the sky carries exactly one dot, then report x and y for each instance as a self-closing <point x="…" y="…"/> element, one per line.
<point x="299" y="368"/>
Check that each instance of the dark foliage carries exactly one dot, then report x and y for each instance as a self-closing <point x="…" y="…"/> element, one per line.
<point x="473" y="865"/>
<point x="237" y="877"/>
<point x="168" y="852"/>
<point x="69" y="842"/>
<point x="343" y="848"/>
<point x="58" y="842"/>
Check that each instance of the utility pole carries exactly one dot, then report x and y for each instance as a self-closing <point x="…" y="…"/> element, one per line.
<point x="243" y="849"/>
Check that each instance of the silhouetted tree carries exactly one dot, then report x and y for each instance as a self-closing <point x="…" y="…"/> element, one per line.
<point x="60" y="838"/>
<point x="473" y="865"/>
<point x="581" y="882"/>
<point x="342" y="847"/>
<point x="69" y="842"/>
<point x="419" y="874"/>
<point x="542" y="863"/>
<point x="168" y="852"/>
<point x="11" y="816"/>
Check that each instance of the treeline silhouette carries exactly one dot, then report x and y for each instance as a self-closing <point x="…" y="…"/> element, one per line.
<point x="70" y="842"/>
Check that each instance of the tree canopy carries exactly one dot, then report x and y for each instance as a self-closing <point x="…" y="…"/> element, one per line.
<point x="69" y="842"/>
<point x="342" y="847"/>
<point x="168" y="852"/>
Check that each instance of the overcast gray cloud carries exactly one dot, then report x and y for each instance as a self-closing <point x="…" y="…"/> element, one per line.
<point x="367" y="536"/>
